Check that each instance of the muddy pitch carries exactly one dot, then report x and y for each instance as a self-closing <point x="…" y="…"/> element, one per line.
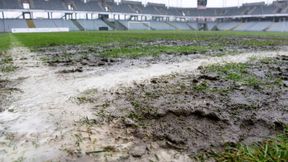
<point x="175" y="115"/>
<point x="92" y="55"/>
<point x="224" y="104"/>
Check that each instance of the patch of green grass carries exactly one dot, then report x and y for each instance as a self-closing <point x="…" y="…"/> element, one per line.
<point x="272" y="150"/>
<point x="4" y="42"/>
<point x="136" y="52"/>
<point x="135" y="116"/>
<point x="238" y="73"/>
<point x="252" y="81"/>
<point x="260" y="43"/>
<point x="87" y="96"/>
<point x="6" y="64"/>
<point x="6" y="60"/>
<point x="130" y="43"/>
<point x="136" y="104"/>
<point x="229" y="68"/>
<point x="266" y="60"/>
<point x="201" y="87"/>
<point x="231" y="71"/>
<point x="36" y="40"/>
<point x="58" y="58"/>
<point x="7" y="68"/>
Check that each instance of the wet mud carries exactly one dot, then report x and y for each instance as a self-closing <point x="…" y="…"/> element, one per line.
<point x="92" y="56"/>
<point x="192" y="113"/>
<point x="58" y="115"/>
<point x="7" y="86"/>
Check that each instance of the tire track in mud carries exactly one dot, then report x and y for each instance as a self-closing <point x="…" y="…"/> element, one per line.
<point x="41" y="125"/>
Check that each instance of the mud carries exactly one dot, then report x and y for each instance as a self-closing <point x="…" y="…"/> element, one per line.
<point x="59" y="116"/>
<point x="92" y="55"/>
<point x="193" y="113"/>
<point x="7" y="86"/>
<point x="7" y="90"/>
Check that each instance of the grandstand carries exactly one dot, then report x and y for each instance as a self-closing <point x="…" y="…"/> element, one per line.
<point x="89" y="15"/>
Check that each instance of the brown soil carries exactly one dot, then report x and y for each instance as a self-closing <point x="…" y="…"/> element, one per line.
<point x="83" y="56"/>
<point x="192" y="113"/>
<point x="155" y="120"/>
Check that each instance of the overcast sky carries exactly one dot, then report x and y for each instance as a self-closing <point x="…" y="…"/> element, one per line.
<point x="211" y="3"/>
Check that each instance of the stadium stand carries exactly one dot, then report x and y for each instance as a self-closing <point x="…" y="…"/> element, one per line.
<point x="10" y="4"/>
<point x="150" y="9"/>
<point x="245" y="26"/>
<point x="175" y="11"/>
<point x="232" y="11"/>
<point x="55" y="23"/>
<point x="44" y="24"/>
<point x="139" y="25"/>
<point x="89" y="6"/>
<point x="161" y="26"/>
<point x="90" y="25"/>
<point x="136" y="7"/>
<point x="2" y="26"/>
<point x="132" y="15"/>
<point x="49" y="5"/>
<point x="264" y="10"/>
<point x="193" y="25"/>
<point x="9" y="24"/>
<point x="211" y="25"/>
<point x="123" y="8"/>
<point x="260" y="26"/>
<point x="227" y="25"/>
<point x="180" y="25"/>
<point x="65" y="24"/>
<point x="201" y="12"/>
<point x="279" y="27"/>
<point x="161" y="9"/>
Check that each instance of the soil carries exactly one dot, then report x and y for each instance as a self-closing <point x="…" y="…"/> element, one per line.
<point x="7" y="90"/>
<point x="194" y="113"/>
<point x="133" y="110"/>
<point x="90" y="56"/>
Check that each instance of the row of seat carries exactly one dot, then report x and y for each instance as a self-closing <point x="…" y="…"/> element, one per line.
<point x="91" y="25"/>
<point x="134" y="7"/>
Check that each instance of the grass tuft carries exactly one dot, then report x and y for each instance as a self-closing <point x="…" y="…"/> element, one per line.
<point x="6" y="64"/>
<point x="272" y="150"/>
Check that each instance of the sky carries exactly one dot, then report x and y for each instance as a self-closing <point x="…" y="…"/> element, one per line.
<point x="211" y="3"/>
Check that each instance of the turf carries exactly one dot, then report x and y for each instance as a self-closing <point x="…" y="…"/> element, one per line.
<point x="130" y="37"/>
<point x="4" y="41"/>
<point x="138" y="51"/>
<point x="272" y="150"/>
